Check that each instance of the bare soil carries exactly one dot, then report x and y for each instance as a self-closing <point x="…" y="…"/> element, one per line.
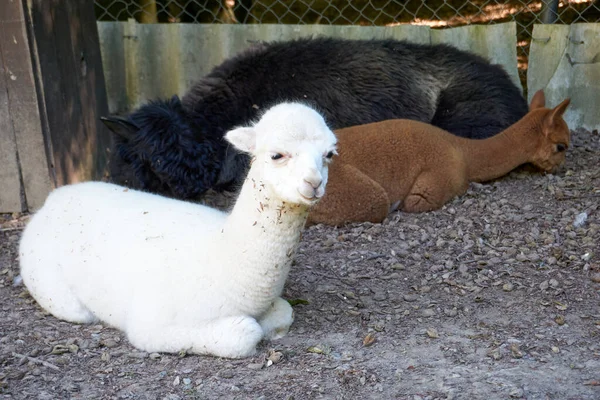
<point x="495" y="296"/>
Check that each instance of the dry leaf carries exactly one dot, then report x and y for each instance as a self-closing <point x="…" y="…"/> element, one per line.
<point x="369" y="339"/>
<point x="514" y="349"/>
<point x="560" y="306"/>
<point x="274" y="357"/>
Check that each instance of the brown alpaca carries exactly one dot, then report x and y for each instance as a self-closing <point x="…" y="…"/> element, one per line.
<point x="418" y="167"/>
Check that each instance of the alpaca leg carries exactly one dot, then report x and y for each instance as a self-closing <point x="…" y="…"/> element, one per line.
<point x="351" y="196"/>
<point x="429" y="192"/>
<point x="277" y="320"/>
<point x="231" y="337"/>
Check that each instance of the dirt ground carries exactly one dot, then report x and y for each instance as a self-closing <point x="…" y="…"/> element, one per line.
<point x="495" y="296"/>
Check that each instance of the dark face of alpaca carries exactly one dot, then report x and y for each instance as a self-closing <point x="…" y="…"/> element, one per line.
<point x="160" y="150"/>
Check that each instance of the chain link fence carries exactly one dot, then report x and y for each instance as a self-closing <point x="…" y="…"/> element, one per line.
<point x="436" y="13"/>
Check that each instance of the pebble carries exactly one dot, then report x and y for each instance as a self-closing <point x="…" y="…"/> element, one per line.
<point x="451" y="312"/>
<point x="110" y="343"/>
<point x="187" y="381"/>
<point x="380" y="296"/>
<point x="428" y="312"/>
<point x="225" y="373"/>
<point x="410" y="297"/>
<point x="595" y="277"/>
<point x="154" y="356"/>
<point x="137" y="354"/>
<point x="508" y="287"/>
<point x="516" y="393"/>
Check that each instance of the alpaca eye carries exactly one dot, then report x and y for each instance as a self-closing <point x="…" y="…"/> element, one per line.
<point x="330" y="155"/>
<point x="561" y="147"/>
<point x="276" y="156"/>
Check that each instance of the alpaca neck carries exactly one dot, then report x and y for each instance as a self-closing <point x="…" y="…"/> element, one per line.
<point x="494" y="157"/>
<point x="265" y="232"/>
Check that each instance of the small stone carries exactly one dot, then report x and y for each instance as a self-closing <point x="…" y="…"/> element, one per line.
<point x="555" y="349"/>
<point x="176" y="381"/>
<point x="187" y="381"/>
<point x="154" y="356"/>
<point x="380" y="296"/>
<point x="559" y="319"/>
<point x="451" y="312"/>
<point x="516" y="393"/>
<point x="410" y="297"/>
<point x="428" y="312"/>
<point x="553" y="283"/>
<point x="110" y="343"/>
<point x="507" y="287"/>
<point x="105" y="356"/>
<point x="398" y="266"/>
<point x="255" y="366"/>
<point x="137" y="354"/>
<point x="225" y="373"/>
<point x="544" y="285"/>
<point x="432" y="333"/>
<point x="595" y="277"/>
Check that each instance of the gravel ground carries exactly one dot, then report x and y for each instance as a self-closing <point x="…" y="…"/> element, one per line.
<point x="495" y="296"/>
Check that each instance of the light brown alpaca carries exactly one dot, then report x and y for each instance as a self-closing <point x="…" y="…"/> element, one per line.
<point x="418" y="167"/>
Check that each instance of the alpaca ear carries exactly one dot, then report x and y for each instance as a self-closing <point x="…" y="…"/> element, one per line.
<point x="243" y="139"/>
<point x="538" y="100"/>
<point x="557" y="112"/>
<point x="560" y="109"/>
<point x="120" y="126"/>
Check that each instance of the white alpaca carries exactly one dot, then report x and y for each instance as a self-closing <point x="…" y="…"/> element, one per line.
<point x="180" y="276"/>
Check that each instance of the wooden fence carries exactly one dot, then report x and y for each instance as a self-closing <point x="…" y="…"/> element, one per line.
<point x="148" y="61"/>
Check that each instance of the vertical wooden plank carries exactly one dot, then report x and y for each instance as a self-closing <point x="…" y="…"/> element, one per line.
<point x="564" y="60"/>
<point x="74" y="96"/>
<point x="87" y="64"/>
<point x="10" y="199"/>
<point x="548" y="45"/>
<point x="23" y="106"/>
<point x="111" y="37"/>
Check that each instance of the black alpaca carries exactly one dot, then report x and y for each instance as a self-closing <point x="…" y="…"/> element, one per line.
<point x="176" y="147"/>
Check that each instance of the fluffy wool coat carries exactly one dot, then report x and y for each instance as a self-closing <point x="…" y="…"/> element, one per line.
<point x="176" y="147"/>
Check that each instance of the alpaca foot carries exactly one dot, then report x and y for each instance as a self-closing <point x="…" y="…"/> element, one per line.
<point x="277" y="319"/>
<point x="416" y="203"/>
<point x="231" y="337"/>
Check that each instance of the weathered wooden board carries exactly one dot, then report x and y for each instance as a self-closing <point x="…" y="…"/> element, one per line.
<point x="70" y="72"/>
<point x="564" y="60"/>
<point x="149" y="61"/>
<point x="20" y="117"/>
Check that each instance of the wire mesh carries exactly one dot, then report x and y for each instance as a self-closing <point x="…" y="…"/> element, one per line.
<point x="435" y="13"/>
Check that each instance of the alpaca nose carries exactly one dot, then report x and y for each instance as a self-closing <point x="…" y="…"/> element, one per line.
<point x="314" y="181"/>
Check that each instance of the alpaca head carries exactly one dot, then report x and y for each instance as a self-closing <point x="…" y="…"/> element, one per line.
<point x="160" y="149"/>
<point x="555" y="134"/>
<point x="291" y="146"/>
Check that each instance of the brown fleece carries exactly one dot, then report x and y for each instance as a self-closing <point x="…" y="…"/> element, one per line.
<point x="420" y="167"/>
